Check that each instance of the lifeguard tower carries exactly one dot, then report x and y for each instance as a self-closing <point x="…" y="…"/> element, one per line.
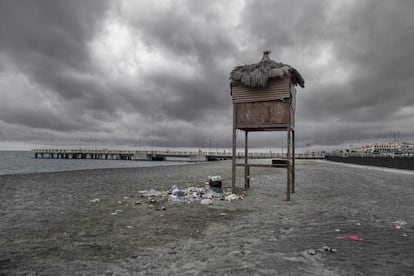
<point x="264" y="97"/>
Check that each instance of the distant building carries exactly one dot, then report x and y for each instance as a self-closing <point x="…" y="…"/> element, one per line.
<point x="396" y="148"/>
<point x="385" y="149"/>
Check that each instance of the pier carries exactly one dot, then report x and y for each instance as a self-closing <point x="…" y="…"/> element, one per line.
<point x="83" y="154"/>
<point x="156" y="155"/>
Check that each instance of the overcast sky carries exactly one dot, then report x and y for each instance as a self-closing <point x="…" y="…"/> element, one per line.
<point x="156" y="73"/>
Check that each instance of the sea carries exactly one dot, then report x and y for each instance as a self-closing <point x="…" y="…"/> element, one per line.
<point x="23" y="162"/>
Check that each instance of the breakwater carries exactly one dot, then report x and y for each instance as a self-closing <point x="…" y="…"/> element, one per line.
<point x="388" y="162"/>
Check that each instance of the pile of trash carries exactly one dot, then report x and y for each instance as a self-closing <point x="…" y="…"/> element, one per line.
<point x="211" y="191"/>
<point x="186" y="195"/>
<point x="206" y="195"/>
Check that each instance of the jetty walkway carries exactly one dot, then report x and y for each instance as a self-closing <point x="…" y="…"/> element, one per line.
<point x="157" y="155"/>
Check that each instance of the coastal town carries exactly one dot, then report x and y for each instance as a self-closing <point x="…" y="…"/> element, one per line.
<point x="390" y="149"/>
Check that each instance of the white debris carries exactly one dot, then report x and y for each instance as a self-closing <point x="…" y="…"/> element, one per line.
<point x="116" y="212"/>
<point x="94" y="200"/>
<point x="329" y="249"/>
<point x="152" y="193"/>
<point x="232" y="197"/>
<point x="176" y="199"/>
<point x="400" y="222"/>
<point x="206" y="201"/>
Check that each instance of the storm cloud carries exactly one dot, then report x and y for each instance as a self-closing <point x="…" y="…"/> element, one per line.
<point x="145" y="73"/>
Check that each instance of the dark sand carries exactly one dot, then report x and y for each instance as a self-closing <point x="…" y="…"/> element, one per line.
<point x="48" y="226"/>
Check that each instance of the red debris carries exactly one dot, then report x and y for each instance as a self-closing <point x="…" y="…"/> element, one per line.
<point x="355" y="238"/>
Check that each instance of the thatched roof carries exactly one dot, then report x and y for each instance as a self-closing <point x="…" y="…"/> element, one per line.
<point x="256" y="75"/>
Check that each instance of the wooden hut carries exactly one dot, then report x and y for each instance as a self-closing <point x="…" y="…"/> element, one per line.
<point x="264" y="100"/>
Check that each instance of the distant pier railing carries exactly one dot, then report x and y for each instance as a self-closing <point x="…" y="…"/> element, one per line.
<point x="108" y="154"/>
<point x="83" y="154"/>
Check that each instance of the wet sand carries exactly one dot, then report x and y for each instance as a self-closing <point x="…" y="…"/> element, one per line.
<point x="50" y="226"/>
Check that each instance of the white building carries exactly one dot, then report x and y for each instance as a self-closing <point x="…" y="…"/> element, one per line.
<point x="389" y="148"/>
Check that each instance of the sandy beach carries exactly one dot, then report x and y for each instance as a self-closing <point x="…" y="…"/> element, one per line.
<point x="52" y="224"/>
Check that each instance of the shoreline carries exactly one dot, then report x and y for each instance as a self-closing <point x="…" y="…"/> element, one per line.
<point x="106" y="169"/>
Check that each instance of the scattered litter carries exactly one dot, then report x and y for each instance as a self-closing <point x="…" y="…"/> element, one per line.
<point x="337" y="230"/>
<point x="211" y="193"/>
<point x="355" y="238"/>
<point x="151" y="193"/>
<point x="206" y="201"/>
<point x="126" y="197"/>
<point x="116" y="212"/>
<point x="404" y="235"/>
<point x="212" y="190"/>
<point x="223" y="214"/>
<point x="232" y="197"/>
<point x="129" y="227"/>
<point x="329" y="249"/>
<point x="359" y="224"/>
<point x="311" y="251"/>
<point x="400" y="222"/>
<point x="163" y="208"/>
<point x="119" y="202"/>
<point x="177" y="192"/>
<point x="150" y="206"/>
<point x="191" y="194"/>
<point x="94" y="200"/>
